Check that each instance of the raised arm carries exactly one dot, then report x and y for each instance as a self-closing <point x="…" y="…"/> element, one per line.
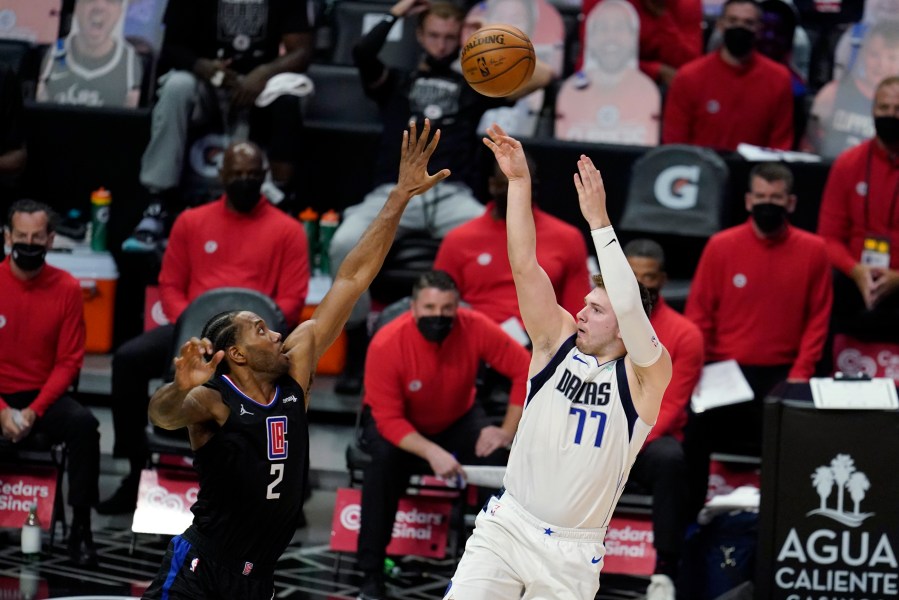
<point x="306" y="344"/>
<point x="547" y="323"/>
<point x="184" y="401"/>
<point x="649" y="364"/>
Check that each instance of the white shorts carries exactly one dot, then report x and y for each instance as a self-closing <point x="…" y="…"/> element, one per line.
<point x="513" y="555"/>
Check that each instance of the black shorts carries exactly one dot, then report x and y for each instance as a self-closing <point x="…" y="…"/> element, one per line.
<point x="186" y="574"/>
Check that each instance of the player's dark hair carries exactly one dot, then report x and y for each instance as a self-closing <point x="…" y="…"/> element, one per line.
<point x="645" y="248"/>
<point x="434" y="279"/>
<point x="222" y="332"/>
<point x="644" y="293"/>
<point x="30" y="207"/>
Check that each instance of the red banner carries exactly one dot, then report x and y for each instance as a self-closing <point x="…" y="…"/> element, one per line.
<point x="629" y="549"/>
<point x="19" y="488"/>
<point x="420" y="528"/>
<point x="29" y="585"/>
<point x="164" y="499"/>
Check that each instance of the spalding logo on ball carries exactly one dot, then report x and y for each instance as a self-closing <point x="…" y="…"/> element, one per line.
<point x="497" y="60"/>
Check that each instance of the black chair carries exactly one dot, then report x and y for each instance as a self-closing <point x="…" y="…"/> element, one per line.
<point x="352" y="20"/>
<point x="408" y="258"/>
<point x="190" y="324"/>
<point x="339" y="102"/>
<point x="677" y="196"/>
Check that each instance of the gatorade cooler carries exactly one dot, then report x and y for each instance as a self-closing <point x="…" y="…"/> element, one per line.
<point x="98" y="276"/>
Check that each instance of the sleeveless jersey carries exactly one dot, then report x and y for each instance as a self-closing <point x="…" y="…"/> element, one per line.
<point x="576" y="442"/>
<point x="253" y="473"/>
<point x="106" y="83"/>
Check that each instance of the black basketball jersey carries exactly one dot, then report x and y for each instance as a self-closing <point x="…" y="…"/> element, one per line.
<point x="253" y="473"/>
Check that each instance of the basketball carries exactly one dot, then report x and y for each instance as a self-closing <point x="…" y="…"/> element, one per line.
<point x="497" y="60"/>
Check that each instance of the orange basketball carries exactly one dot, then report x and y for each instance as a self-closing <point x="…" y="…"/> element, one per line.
<point x="497" y="60"/>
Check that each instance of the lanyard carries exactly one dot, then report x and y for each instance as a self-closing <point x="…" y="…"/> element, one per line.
<point x="868" y="191"/>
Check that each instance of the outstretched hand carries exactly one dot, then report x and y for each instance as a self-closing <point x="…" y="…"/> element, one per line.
<point x="414" y="157"/>
<point x="508" y="152"/>
<point x="191" y="367"/>
<point x="591" y="194"/>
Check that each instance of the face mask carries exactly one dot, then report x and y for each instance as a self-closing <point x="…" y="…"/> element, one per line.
<point x="887" y="129"/>
<point x="653" y="296"/>
<point x="739" y="41"/>
<point x="435" y="329"/>
<point x="243" y="194"/>
<point x="29" y="257"/>
<point x="769" y="217"/>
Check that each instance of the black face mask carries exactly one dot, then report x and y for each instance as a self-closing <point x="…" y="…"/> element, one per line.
<point x="435" y="329"/>
<point x="769" y="217"/>
<point x="243" y="194"/>
<point x="887" y="129"/>
<point x="653" y="296"/>
<point x="439" y="65"/>
<point x="28" y="257"/>
<point x="739" y="41"/>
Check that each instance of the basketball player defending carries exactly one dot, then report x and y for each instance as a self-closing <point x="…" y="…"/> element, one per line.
<point x="596" y="384"/>
<point x="242" y="393"/>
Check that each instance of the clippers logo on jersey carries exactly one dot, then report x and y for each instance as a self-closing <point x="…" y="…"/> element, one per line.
<point x="247" y="568"/>
<point x="277" y="437"/>
<point x="584" y="392"/>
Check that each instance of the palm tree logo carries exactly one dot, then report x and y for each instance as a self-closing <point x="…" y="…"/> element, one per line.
<point x="842" y="474"/>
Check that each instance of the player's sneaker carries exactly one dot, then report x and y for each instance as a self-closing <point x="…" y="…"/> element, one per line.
<point x="150" y="234"/>
<point x="660" y="588"/>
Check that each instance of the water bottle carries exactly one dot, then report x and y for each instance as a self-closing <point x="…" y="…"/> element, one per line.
<point x="326" y="228"/>
<point x="310" y="223"/>
<point x="31" y="534"/>
<point x="100" y="200"/>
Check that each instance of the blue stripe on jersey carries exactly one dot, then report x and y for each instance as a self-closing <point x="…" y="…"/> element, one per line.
<point x="180" y="548"/>
<point x="538" y="380"/>
<point x="624" y="392"/>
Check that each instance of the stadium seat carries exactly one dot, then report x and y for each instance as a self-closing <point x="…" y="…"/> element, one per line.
<point x="352" y="20"/>
<point x="676" y="195"/>
<point x="339" y="101"/>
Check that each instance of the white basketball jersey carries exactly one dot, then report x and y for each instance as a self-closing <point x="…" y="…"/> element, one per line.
<point x="576" y="442"/>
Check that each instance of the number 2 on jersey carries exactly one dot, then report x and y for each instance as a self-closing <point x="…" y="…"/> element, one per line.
<point x="278" y="472"/>
<point x="581" y="414"/>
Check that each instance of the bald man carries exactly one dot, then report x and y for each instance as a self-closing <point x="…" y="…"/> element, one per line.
<point x="238" y="240"/>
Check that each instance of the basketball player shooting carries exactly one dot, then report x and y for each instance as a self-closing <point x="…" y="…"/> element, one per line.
<point x="242" y="393"/>
<point x="595" y="388"/>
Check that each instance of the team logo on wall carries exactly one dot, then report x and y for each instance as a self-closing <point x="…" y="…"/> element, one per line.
<point x="842" y="488"/>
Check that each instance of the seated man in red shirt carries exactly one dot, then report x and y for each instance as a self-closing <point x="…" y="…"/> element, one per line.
<point x="660" y="466"/>
<point x="761" y="295"/>
<point x="420" y="413"/>
<point x="734" y="94"/>
<point x="41" y="351"/>
<point x="239" y="240"/>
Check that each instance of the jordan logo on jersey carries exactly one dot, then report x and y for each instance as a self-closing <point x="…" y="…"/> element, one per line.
<point x="244" y="411"/>
<point x="584" y="392"/>
<point x="277" y="437"/>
